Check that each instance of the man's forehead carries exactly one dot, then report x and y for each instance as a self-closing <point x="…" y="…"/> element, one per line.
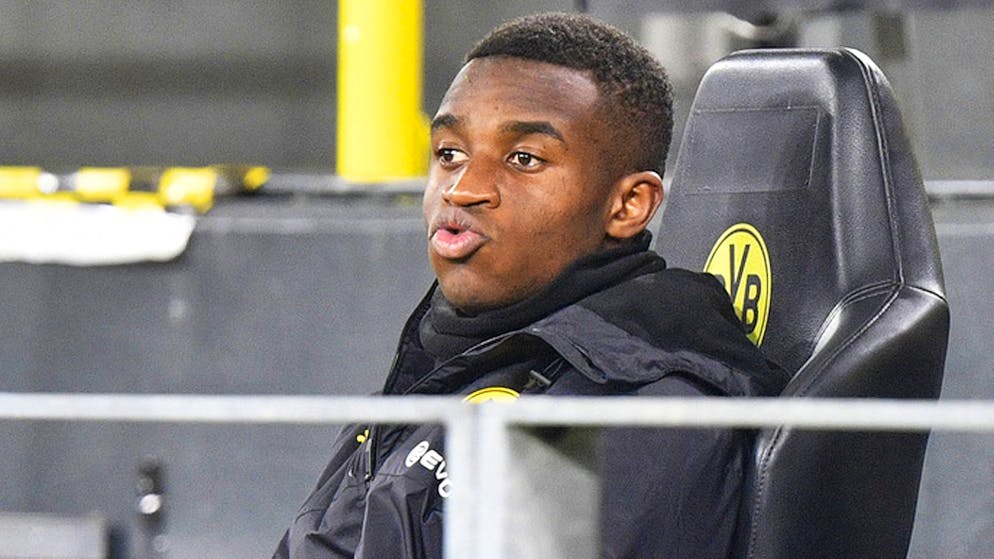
<point x="522" y="91"/>
<point x="482" y="72"/>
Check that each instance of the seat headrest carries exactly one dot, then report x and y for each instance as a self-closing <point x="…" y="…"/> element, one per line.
<point x="799" y="155"/>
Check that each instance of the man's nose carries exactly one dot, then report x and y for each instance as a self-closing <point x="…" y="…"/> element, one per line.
<point x="475" y="186"/>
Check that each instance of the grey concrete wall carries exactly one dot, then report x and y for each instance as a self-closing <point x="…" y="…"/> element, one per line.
<point x="130" y="82"/>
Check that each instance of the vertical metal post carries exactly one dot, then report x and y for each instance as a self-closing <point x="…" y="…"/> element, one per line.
<point x="382" y="133"/>
<point x="492" y="450"/>
<point x="460" y="433"/>
<point x="477" y="446"/>
<point x="460" y="430"/>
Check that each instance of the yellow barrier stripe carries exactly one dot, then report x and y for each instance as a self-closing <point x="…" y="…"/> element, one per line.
<point x="20" y="182"/>
<point x="101" y="184"/>
<point x="194" y="187"/>
<point x="255" y="178"/>
<point x="188" y="186"/>
<point x="138" y="201"/>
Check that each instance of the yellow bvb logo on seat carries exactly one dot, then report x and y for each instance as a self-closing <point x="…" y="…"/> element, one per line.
<point x="741" y="262"/>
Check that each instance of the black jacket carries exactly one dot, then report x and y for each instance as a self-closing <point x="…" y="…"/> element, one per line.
<point x="621" y="324"/>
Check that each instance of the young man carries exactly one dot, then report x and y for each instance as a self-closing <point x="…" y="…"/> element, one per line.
<point x="547" y="154"/>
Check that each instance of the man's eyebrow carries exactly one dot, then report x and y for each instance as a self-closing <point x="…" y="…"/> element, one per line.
<point x="444" y="121"/>
<point x="524" y="128"/>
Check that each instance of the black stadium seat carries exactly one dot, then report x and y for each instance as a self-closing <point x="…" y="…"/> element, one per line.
<point x="795" y="183"/>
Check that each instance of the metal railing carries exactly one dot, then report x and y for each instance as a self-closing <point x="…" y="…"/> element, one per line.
<point x="478" y="436"/>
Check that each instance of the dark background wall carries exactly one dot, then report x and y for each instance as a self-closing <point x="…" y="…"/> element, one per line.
<point x="272" y="296"/>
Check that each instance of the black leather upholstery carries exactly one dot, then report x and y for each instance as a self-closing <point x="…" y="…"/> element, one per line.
<point x="807" y="146"/>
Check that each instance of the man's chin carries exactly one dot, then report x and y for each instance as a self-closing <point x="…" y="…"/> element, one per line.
<point x="469" y="306"/>
<point x="472" y="301"/>
<point x="472" y="293"/>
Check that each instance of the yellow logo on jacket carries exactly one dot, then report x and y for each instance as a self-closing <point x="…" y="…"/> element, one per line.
<point x="741" y="262"/>
<point x="492" y="394"/>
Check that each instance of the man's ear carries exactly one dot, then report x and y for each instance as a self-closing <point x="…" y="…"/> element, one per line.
<point x="636" y="197"/>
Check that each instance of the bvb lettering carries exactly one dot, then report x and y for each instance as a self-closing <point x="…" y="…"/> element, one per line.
<point x="740" y="262"/>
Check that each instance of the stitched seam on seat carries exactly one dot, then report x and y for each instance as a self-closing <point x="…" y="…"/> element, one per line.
<point x="851" y="297"/>
<point x="940" y="296"/>
<point x="876" y="114"/>
<point x="895" y="291"/>
<point x="760" y="490"/>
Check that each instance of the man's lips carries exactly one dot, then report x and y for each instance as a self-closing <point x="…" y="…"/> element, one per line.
<point x="455" y="241"/>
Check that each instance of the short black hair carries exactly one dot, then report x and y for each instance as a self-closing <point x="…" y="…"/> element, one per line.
<point x="629" y="78"/>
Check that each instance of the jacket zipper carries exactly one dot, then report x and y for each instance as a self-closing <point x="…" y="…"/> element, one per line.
<point x="367" y="476"/>
<point x="372" y="438"/>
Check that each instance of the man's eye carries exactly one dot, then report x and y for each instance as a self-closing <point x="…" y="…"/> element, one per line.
<point x="525" y="160"/>
<point x="450" y="156"/>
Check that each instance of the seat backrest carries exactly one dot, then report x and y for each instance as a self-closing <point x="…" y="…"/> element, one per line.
<point x="795" y="184"/>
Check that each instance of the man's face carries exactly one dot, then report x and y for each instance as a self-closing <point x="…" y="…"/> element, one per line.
<point x="519" y="181"/>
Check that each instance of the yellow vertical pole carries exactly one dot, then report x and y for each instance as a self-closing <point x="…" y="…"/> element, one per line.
<point x="382" y="133"/>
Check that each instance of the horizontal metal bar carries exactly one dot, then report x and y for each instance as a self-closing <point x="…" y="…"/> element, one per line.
<point x="295" y="182"/>
<point x="287" y="181"/>
<point x="961" y="230"/>
<point x="809" y="413"/>
<point x="960" y="189"/>
<point x="184" y="408"/>
<point x="283" y="225"/>
<point x="471" y="451"/>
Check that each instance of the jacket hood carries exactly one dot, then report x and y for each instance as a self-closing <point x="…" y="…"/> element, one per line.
<point x="670" y="321"/>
